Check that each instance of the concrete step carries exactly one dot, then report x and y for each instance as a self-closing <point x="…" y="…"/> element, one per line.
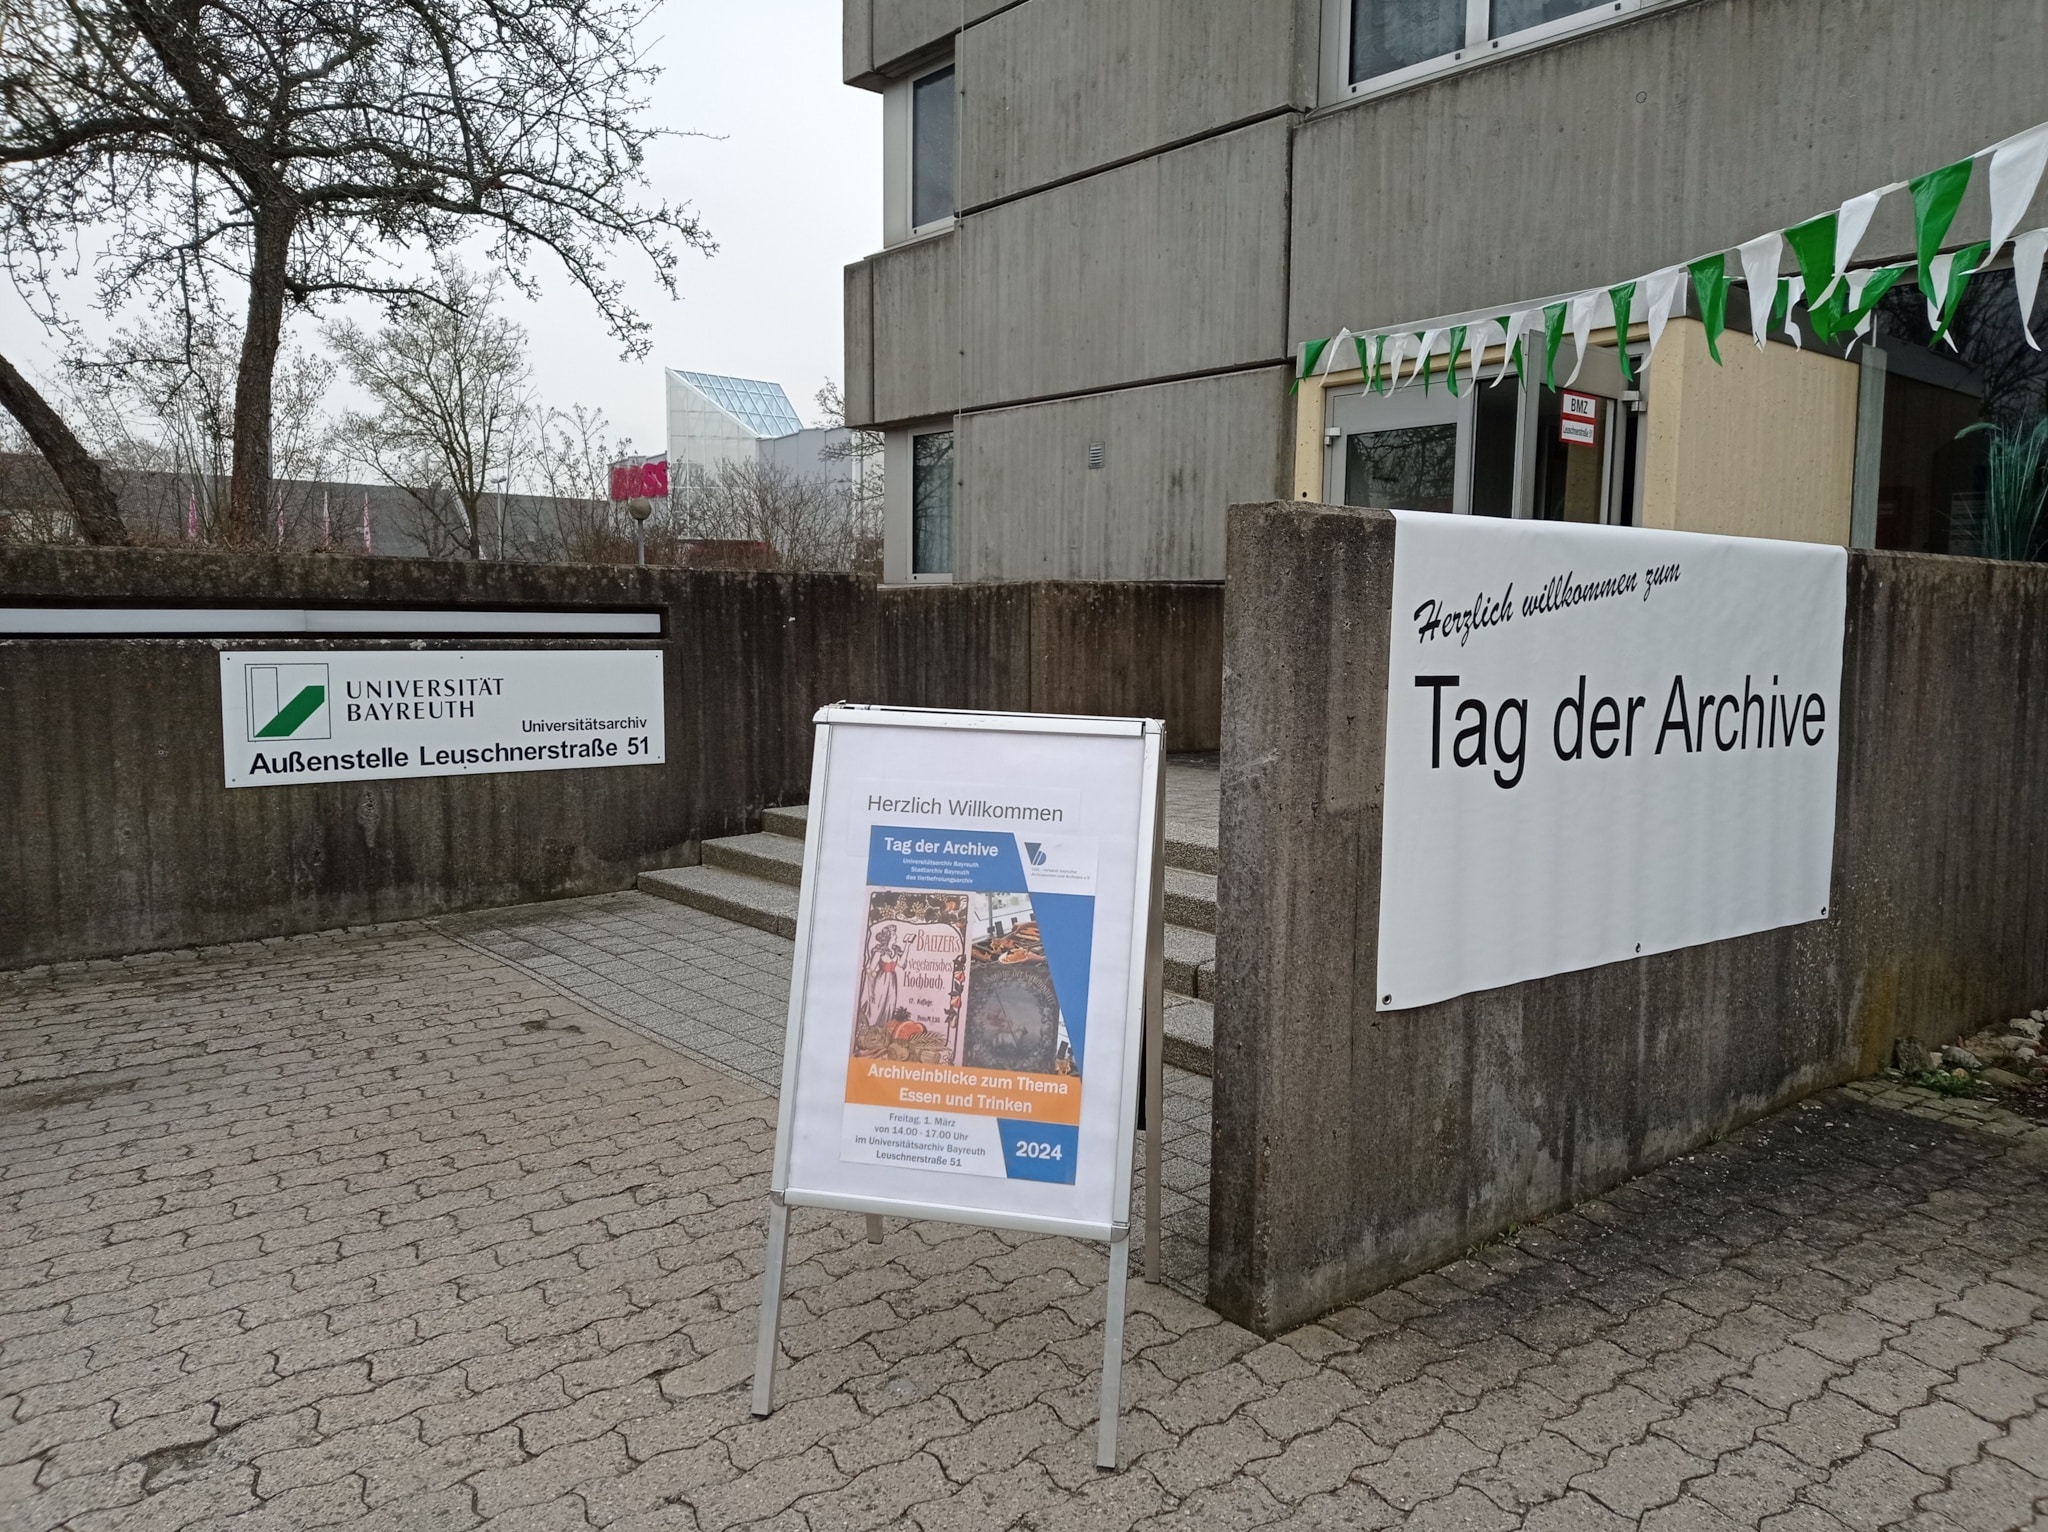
<point x="1190" y="1025"/>
<point x="724" y="886"/>
<point x="1184" y="850"/>
<point x="1191" y="899"/>
<point x="777" y="854"/>
<point x="768" y="903"/>
<point x="777" y="858"/>
<point x="787" y="821"/>
<point x="757" y="902"/>
<point x="1190" y="966"/>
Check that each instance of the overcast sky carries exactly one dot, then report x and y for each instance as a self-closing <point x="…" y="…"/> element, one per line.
<point x="789" y="182"/>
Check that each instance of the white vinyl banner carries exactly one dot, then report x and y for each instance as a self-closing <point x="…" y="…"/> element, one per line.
<point x="963" y="1023"/>
<point x="1602" y="742"/>
<point x="348" y="715"/>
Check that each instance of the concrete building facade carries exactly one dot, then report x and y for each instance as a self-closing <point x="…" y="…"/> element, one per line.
<point x="1110" y="230"/>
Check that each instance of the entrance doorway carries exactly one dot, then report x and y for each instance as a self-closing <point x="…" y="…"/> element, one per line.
<point x="1549" y="454"/>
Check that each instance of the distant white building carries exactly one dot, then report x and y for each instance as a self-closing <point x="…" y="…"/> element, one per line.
<point x="714" y="420"/>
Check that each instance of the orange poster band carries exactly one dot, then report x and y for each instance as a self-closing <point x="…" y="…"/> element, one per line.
<point x="956" y="1088"/>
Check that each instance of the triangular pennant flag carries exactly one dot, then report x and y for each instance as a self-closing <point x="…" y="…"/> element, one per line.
<point x="2016" y="167"/>
<point x="1867" y="290"/>
<point x="1428" y="341"/>
<point x="1310" y="351"/>
<point x="1477" y="351"/>
<point x="1781" y="311"/>
<point x="1335" y="348"/>
<point x="1936" y="196"/>
<point x="1362" y="344"/>
<point x="1853" y="221"/>
<point x="1957" y="279"/>
<point x="1760" y="259"/>
<point x="1398" y="353"/>
<point x="1710" y="283"/>
<point x="1622" y="296"/>
<point x="1457" y="347"/>
<point x="2027" y="253"/>
<point x="1582" y="327"/>
<point x="1379" y="363"/>
<point x="1662" y="291"/>
<point x="1553" y="332"/>
<point x="1512" y="326"/>
<point x="1813" y="246"/>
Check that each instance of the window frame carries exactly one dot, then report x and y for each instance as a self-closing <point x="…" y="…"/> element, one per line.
<point x="899" y="528"/>
<point x="899" y="130"/>
<point x="1338" y="88"/>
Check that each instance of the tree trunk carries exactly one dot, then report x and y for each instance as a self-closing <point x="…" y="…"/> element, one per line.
<point x="93" y="505"/>
<point x="249" y="481"/>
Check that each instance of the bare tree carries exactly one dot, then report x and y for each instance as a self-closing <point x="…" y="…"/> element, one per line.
<point x="285" y="151"/>
<point x="800" y="517"/>
<point x="160" y="400"/>
<point x="449" y="379"/>
<point x="861" y="451"/>
<point x="575" y="451"/>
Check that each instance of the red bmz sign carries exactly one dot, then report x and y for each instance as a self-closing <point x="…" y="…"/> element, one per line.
<point x="643" y="478"/>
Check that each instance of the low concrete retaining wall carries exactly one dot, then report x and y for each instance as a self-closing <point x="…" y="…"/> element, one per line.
<point x="117" y="835"/>
<point x="1355" y="1149"/>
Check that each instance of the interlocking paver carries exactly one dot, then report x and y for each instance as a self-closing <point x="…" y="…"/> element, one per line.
<point x="378" y="1229"/>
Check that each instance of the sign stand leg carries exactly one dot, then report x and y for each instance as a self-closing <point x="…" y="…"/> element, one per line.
<point x="1155" y="1039"/>
<point x="769" y="1347"/>
<point x="1113" y="1352"/>
<point x="874" y="1228"/>
<point x="1155" y="1128"/>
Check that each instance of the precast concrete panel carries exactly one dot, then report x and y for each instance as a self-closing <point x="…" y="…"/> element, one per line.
<point x="916" y="332"/>
<point x="1054" y="88"/>
<point x="860" y="344"/>
<point x="1170" y="265"/>
<point x="900" y="29"/>
<point x="1171" y="458"/>
<point x="1653" y="141"/>
<point x="857" y="42"/>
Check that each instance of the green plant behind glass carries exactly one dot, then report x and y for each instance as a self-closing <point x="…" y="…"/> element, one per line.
<point x="2015" y="459"/>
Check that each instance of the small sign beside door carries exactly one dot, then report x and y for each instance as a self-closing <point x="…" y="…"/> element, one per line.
<point x="1580" y="419"/>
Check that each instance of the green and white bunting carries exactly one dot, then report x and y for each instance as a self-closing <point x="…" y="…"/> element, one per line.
<point x="1838" y="301"/>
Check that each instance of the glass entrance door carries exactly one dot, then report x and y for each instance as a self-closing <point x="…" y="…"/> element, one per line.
<point x="1404" y="450"/>
<point x="1496" y="449"/>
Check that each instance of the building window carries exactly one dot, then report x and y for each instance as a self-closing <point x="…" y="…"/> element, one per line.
<point x="931" y="503"/>
<point x="1953" y="451"/>
<point x="1388" y="42"/>
<point x="1387" y="35"/>
<point x="932" y="141"/>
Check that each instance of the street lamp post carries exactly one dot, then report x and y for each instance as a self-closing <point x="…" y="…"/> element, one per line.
<point x="640" y="508"/>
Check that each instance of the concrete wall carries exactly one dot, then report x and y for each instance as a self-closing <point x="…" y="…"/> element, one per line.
<point x="1545" y="172"/>
<point x="914" y="365"/>
<point x="1763" y="445"/>
<point x="117" y="835"/>
<point x="1173" y="264"/>
<point x="1173" y="457"/>
<point x="1056" y="88"/>
<point x="1355" y="1149"/>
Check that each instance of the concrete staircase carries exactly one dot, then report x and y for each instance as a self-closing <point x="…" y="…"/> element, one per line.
<point x="753" y="879"/>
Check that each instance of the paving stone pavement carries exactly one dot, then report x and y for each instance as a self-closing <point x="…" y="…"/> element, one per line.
<point x="719" y="991"/>
<point x="374" y="1229"/>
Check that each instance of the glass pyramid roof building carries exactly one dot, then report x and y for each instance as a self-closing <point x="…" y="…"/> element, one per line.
<point x="762" y="408"/>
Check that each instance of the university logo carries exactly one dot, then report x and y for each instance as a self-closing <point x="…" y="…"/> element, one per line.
<point x="288" y="702"/>
<point x="1036" y="851"/>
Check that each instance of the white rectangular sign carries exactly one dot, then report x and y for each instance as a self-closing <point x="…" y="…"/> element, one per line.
<point x="1602" y="742"/>
<point x="964" y="1015"/>
<point x="346" y="715"/>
